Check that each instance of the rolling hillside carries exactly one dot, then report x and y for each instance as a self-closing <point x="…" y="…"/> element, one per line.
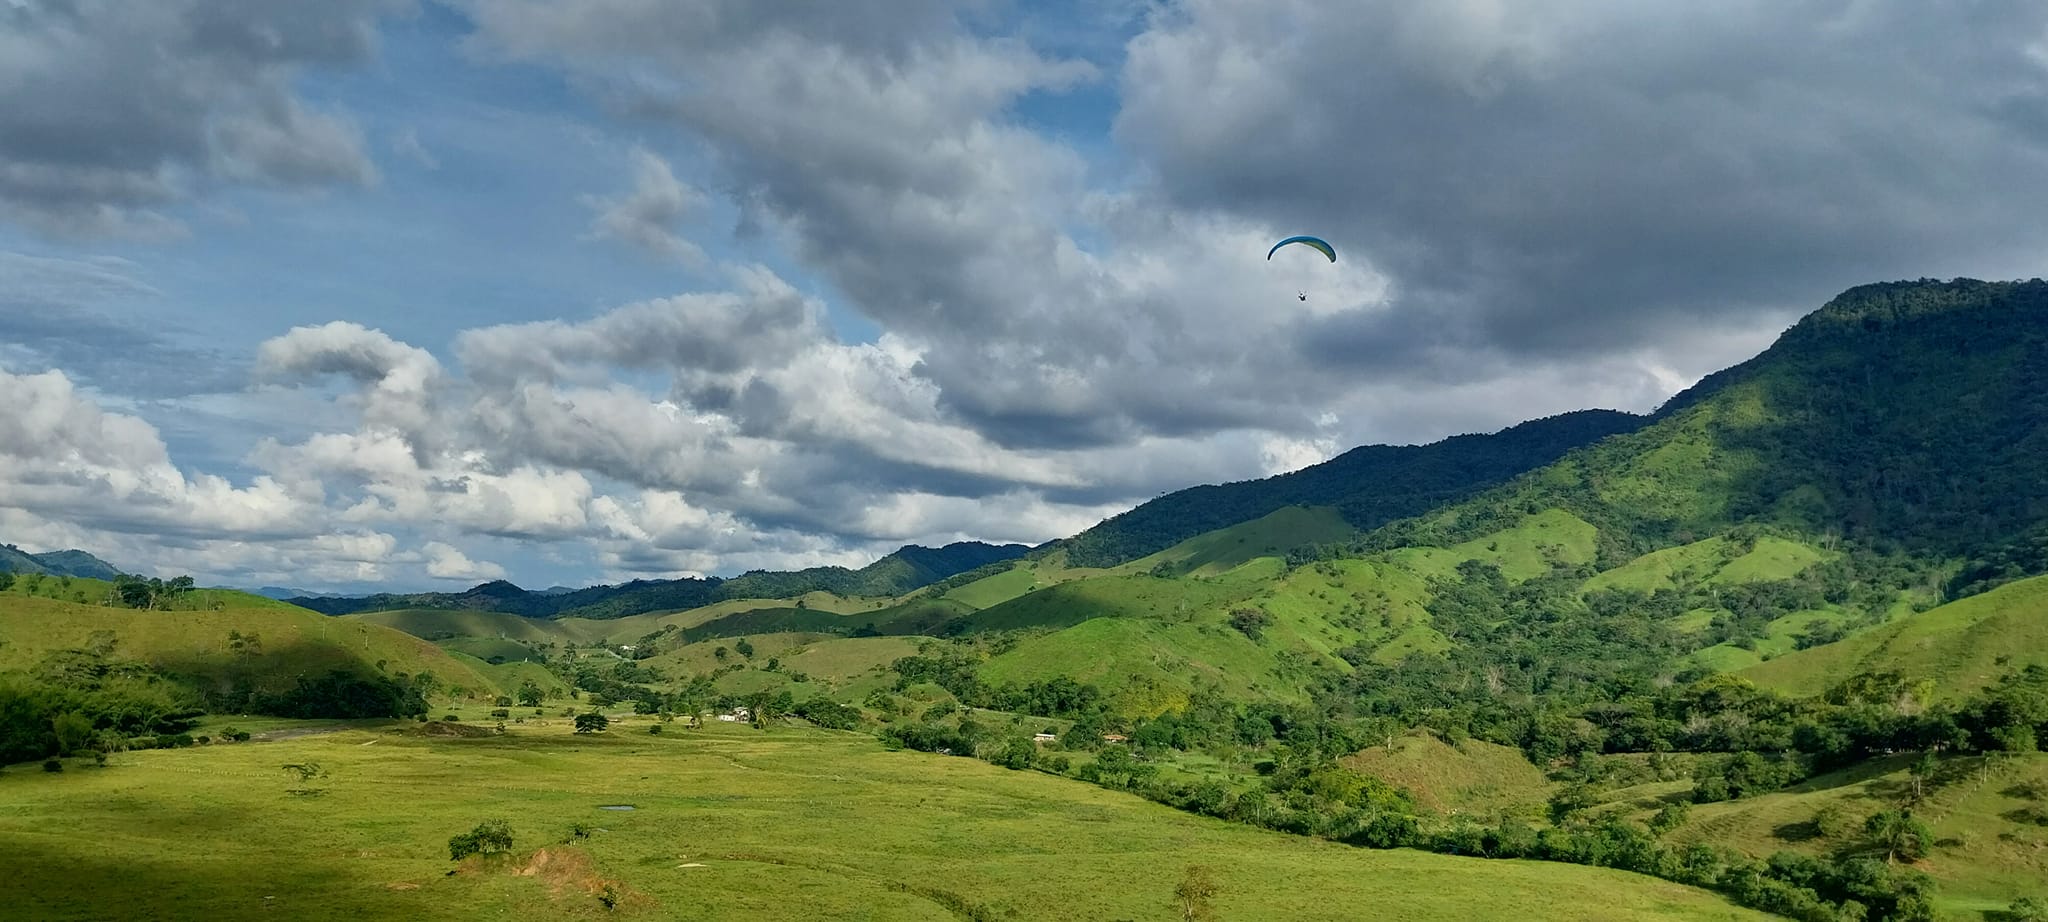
<point x="1367" y="486"/>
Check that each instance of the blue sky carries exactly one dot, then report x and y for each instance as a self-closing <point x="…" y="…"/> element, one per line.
<point x="410" y="294"/>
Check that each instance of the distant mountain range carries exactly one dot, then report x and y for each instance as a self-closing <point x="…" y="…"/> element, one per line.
<point x="55" y="563"/>
<point x="909" y="568"/>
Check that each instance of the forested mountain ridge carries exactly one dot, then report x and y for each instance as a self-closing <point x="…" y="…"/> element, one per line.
<point x="908" y="568"/>
<point x="1369" y="485"/>
<point x="1907" y="417"/>
<point x="55" y="563"/>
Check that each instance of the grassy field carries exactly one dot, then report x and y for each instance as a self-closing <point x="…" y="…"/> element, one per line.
<point x="1472" y="778"/>
<point x="1986" y="851"/>
<point x="728" y="823"/>
<point x="1272" y="535"/>
<point x="1962" y="646"/>
<point x="195" y="643"/>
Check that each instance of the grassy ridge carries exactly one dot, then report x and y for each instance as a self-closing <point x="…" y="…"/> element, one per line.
<point x="730" y="823"/>
<point x="1272" y="535"/>
<point x="1983" y="858"/>
<point x="1962" y="646"/>
<point x="195" y="643"/>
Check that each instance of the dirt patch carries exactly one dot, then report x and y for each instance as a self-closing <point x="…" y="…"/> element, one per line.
<point x="570" y="874"/>
<point x="401" y="885"/>
<point x="442" y="730"/>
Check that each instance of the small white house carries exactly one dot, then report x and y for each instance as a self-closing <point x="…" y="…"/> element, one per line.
<point x="1043" y="737"/>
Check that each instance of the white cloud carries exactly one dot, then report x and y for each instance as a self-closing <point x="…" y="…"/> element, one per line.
<point x="446" y="562"/>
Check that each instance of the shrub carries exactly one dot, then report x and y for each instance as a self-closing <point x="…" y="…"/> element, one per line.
<point x="52" y="765"/>
<point x="501" y="713"/>
<point x="488" y="838"/>
<point x="450" y="718"/>
<point x="2028" y="909"/>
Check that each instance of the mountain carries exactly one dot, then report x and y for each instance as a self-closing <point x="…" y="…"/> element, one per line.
<point x="282" y="593"/>
<point x="1881" y="458"/>
<point x="1369" y="485"/>
<point x="55" y="563"/>
<point x="1907" y="417"/>
<point x="908" y="568"/>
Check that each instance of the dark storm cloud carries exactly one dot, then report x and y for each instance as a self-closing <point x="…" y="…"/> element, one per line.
<point x="110" y="110"/>
<point x="1557" y="181"/>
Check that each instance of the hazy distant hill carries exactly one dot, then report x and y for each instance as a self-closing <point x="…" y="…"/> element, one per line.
<point x="55" y="563"/>
<point x="910" y="567"/>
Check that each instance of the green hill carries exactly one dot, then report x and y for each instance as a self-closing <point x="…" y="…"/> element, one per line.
<point x="1271" y="535"/>
<point x="1901" y="416"/>
<point x="55" y="563"/>
<point x="215" y="651"/>
<point x="1962" y="646"/>
<point x="1368" y="486"/>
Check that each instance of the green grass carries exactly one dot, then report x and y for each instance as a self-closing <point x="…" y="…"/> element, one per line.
<point x="88" y="591"/>
<point x="195" y="643"/>
<point x="1271" y="535"/>
<point x="484" y="648"/>
<point x="1714" y="560"/>
<point x="1962" y="646"/>
<point x="1076" y="601"/>
<point x="1146" y="667"/>
<point x="1326" y="606"/>
<point x="1527" y="549"/>
<point x="1471" y="778"/>
<point x="997" y="589"/>
<point x="1772" y="558"/>
<point x="1982" y="858"/>
<point x="729" y="823"/>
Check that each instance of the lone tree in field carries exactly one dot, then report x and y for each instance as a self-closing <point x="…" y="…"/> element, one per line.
<point x="488" y="838"/>
<point x="1197" y="888"/>
<point x="530" y="694"/>
<point x="592" y="722"/>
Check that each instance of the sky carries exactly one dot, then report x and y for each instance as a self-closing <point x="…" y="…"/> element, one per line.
<point x="412" y="294"/>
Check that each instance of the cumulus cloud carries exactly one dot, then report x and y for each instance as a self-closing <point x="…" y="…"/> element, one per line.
<point x="646" y="217"/>
<point x="1537" y="208"/>
<point x="62" y="457"/>
<point x="446" y="562"/>
<point x="112" y="112"/>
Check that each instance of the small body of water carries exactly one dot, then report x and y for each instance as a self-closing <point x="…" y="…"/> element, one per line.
<point x="616" y="807"/>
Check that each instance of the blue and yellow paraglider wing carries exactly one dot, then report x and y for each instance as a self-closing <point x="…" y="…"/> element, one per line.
<point x="1317" y="243"/>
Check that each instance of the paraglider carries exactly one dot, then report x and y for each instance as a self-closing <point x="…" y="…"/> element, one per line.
<point x="1317" y="244"/>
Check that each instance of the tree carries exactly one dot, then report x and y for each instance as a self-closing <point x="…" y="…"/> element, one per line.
<point x="74" y="732"/>
<point x="744" y="648"/>
<point x="1196" y="889"/>
<point x="1923" y="769"/>
<point x="592" y="722"/>
<point x="2028" y="909"/>
<point x="530" y="694"/>
<point x="1250" y="621"/>
<point x="1899" y="834"/>
<point x="488" y="838"/>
